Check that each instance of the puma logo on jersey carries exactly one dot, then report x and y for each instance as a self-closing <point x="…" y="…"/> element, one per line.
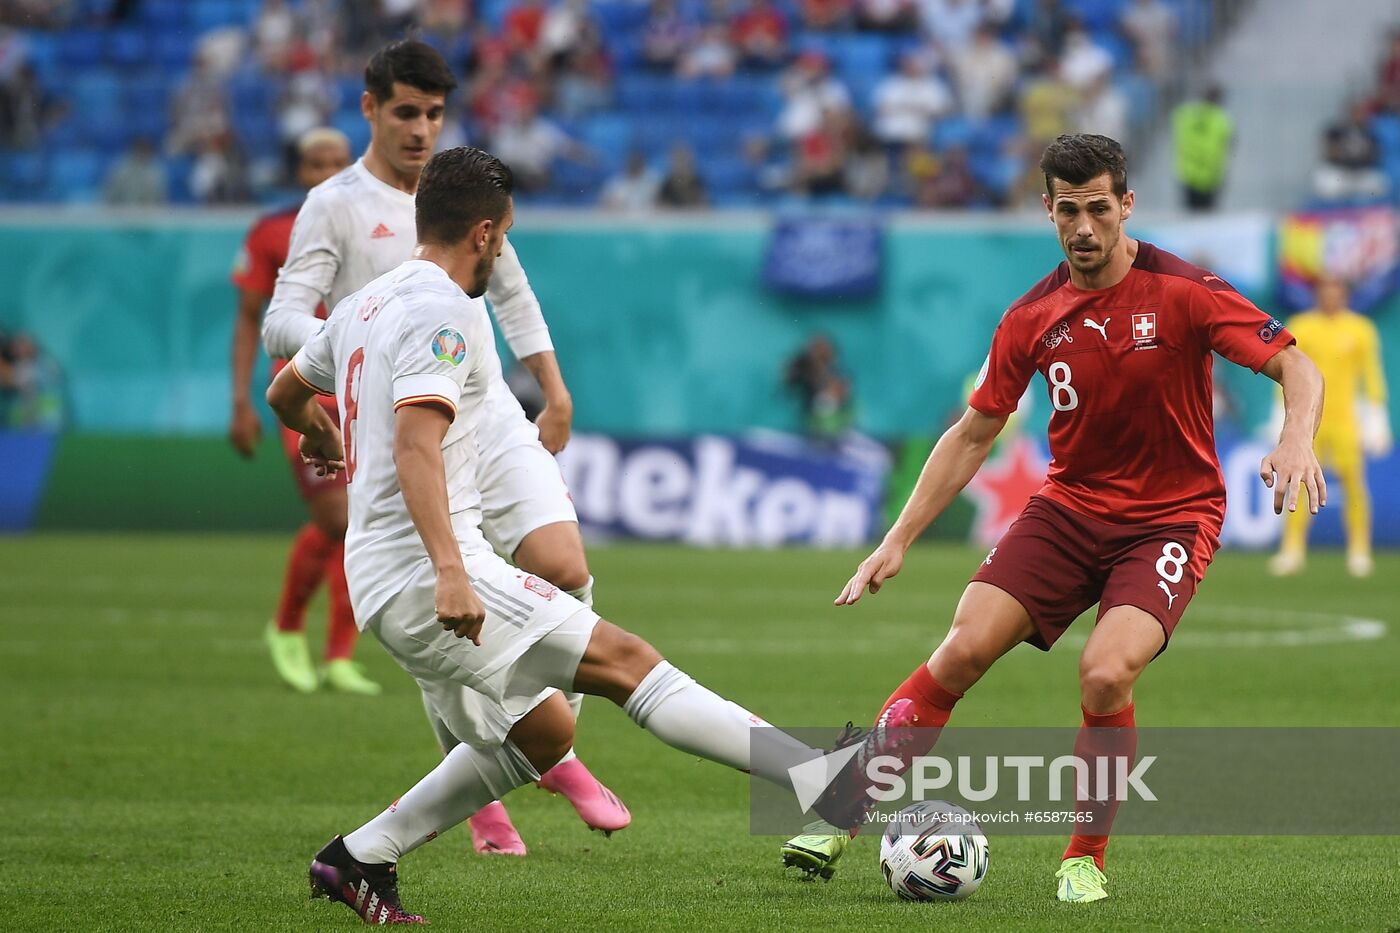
<point x="1095" y="325"/>
<point x="380" y="232"/>
<point x="1171" y="597"/>
<point x="1056" y="334"/>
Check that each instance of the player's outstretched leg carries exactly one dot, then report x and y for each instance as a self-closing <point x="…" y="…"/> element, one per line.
<point x="988" y="623"/>
<point x="554" y="551"/>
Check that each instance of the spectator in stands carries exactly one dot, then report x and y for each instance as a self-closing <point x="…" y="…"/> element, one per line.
<point x="950" y="185"/>
<point x="682" y="187"/>
<point x="1083" y="61"/>
<point x="530" y="144"/>
<point x="985" y="72"/>
<point x="395" y="17"/>
<point x="1388" y="89"/>
<point x="811" y="91"/>
<point x="760" y="33"/>
<point x="446" y="18"/>
<point x="1202" y="134"/>
<point x="713" y="56"/>
<point x="825" y="15"/>
<point x="522" y="26"/>
<point x="950" y="23"/>
<point x="634" y="190"/>
<point x="138" y="177"/>
<point x="219" y="175"/>
<point x="867" y="166"/>
<point x="821" y="155"/>
<point x="307" y="101"/>
<point x="1102" y="109"/>
<point x="1151" y="27"/>
<point x="585" y="83"/>
<point x="822" y="389"/>
<point x="26" y="111"/>
<point x="908" y="101"/>
<point x="199" y="113"/>
<point x="1351" y="159"/>
<point x="887" y="15"/>
<point x="1046" y="26"/>
<point x="1046" y="104"/>
<point x="564" y="29"/>
<point x="274" y="33"/>
<point x="666" y="36"/>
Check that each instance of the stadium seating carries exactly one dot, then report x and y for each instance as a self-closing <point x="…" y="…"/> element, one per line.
<point x="118" y="83"/>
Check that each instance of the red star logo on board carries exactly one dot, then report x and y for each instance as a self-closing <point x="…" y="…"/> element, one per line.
<point x="1003" y="486"/>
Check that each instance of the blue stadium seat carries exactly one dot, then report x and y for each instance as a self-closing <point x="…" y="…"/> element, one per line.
<point x="127" y="48"/>
<point x="953" y="131"/>
<point x="609" y="135"/>
<point x="75" y="175"/>
<point x="164" y="15"/>
<point x="25" y="175"/>
<point x="173" y="52"/>
<point x="1387" y="130"/>
<point x="1095" y="14"/>
<point x="79" y="49"/>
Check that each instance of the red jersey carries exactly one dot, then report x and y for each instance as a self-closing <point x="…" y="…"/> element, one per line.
<point x="1128" y="369"/>
<point x="263" y="254"/>
<point x="264" y="251"/>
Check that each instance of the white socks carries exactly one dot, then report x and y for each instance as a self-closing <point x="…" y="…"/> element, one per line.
<point x="465" y="781"/>
<point x="685" y="715"/>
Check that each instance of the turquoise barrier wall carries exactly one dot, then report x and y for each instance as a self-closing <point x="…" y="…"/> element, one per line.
<point x="662" y="328"/>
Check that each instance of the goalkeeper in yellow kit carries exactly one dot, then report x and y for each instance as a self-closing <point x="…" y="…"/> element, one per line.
<point x="1355" y="420"/>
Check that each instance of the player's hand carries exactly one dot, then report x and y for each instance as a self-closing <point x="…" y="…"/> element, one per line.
<point x="555" y="423"/>
<point x="882" y="564"/>
<point x="458" y="609"/>
<point x="324" y="451"/>
<point x="244" y="430"/>
<point x="1292" y="465"/>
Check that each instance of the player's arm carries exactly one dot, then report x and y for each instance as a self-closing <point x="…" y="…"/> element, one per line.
<point x="313" y="259"/>
<point x="244" y="427"/>
<point x="955" y="459"/>
<point x="293" y="398"/>
<point x="518" y="314"/>
<point x="1293" y="462"/>
<point x="418" y="433"/>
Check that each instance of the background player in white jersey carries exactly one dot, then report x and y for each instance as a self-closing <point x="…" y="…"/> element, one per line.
<point x="359" y="225"/>
<point x="411" y="358"/>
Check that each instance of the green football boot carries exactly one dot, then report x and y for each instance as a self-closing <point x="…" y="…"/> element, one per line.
<point x="1080" y="881"/>
<point x="345" y="676"/>
<point x="291" y="659"/>
<point x="817" y="850"/>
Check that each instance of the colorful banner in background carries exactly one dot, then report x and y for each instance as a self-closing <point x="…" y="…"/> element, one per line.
<point x="1360" y="244"/>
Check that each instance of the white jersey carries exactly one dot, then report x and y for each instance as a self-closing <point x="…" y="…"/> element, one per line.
<point x="411" y="336"/>
<point x="352" y="229"/>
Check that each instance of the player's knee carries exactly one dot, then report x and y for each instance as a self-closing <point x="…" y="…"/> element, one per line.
<point x="1105" y="682"/>
<point x="615" y="663"/>
<point x="567" y="571"/>
<point x="960" y="659"/>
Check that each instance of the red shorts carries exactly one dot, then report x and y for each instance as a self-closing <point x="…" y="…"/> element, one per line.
<point x="1057" y="563"/>
<point x="309" y="485"/>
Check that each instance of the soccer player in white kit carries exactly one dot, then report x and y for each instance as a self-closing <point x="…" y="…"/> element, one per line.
<point x="359" y="225"/>
<point x="412" y="362"/>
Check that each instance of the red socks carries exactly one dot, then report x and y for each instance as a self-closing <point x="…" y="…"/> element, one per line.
<point x="306" y="565"/>
<point x="315" y="557"/>
<point x="1111" y="735"/>
<point x="341" y="633"/>
<point x="933" y="704"/>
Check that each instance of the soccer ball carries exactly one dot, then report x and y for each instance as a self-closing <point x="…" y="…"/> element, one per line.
<point x="933" y="851"/>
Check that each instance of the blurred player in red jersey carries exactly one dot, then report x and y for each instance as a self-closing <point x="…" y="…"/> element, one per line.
<point x="318" y="548"/>
<point x="1131" y="511"/>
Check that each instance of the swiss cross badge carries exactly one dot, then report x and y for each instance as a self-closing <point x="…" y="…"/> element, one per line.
<point x="1145" y="326"/>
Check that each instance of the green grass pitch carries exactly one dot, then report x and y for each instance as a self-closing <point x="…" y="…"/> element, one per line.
<point x="154" y="774"/>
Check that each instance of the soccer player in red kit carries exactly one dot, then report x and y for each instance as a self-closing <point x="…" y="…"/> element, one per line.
<point x="1131" y="511"/>
<point x="318" y="547"/>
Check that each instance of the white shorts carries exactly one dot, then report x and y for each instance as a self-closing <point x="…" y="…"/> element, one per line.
<point x="531" y="643"/>
<point x="521" y="486"/>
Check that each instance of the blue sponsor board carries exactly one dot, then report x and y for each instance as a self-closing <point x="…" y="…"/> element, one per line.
<point x="24" y="466"/>
<point x="714" y="491"/>
<point x="820" y="257"/>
